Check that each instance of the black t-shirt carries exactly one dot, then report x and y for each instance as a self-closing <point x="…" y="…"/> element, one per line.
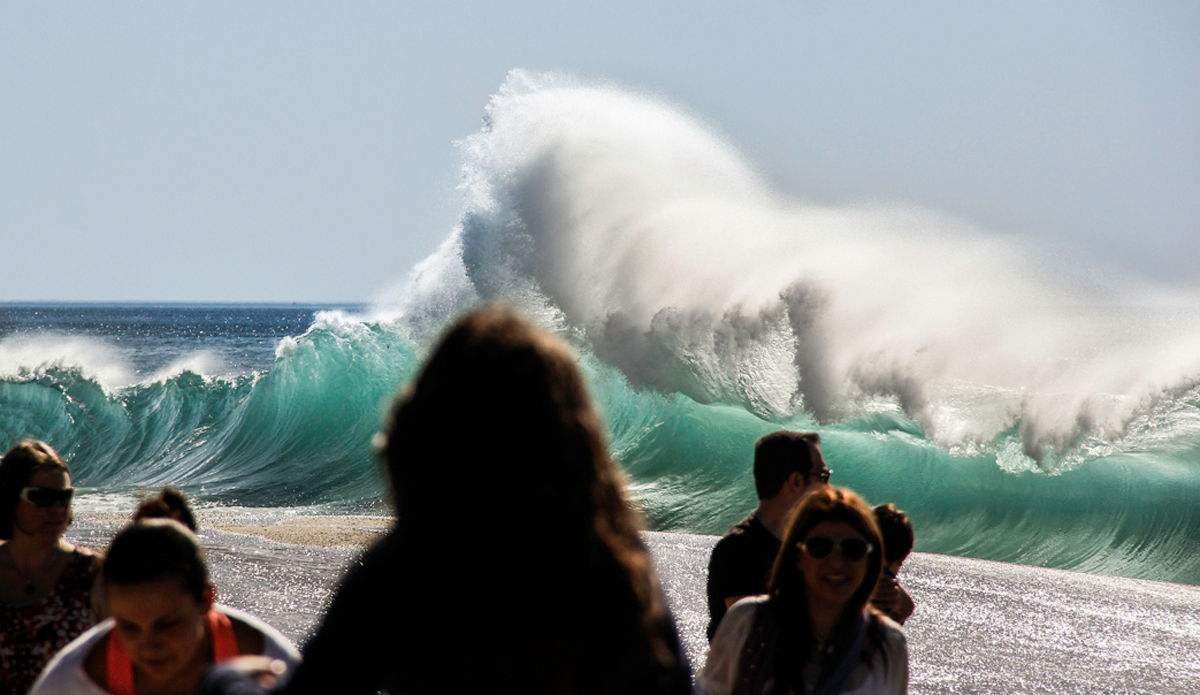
<point x="740" y="565"/>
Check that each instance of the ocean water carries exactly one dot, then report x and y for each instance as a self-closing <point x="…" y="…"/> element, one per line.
<point x="1022" y="408"/>
<point x="275" y="407"/>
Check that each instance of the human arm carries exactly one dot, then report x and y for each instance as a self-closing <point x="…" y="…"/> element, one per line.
<point x="892" y="599"/>
<point x="721" y="666"/>
<point x="896" y="646"/>
<point x="246" y="675"/>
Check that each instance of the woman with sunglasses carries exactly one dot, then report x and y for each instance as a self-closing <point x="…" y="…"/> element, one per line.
<point x="45" y="582"/>
<point x="813" y="633"/>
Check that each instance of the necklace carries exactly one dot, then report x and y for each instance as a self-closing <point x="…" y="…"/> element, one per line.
<point x="30" y="584"/>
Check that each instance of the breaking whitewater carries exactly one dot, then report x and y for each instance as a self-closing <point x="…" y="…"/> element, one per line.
<point x="1020" y="411"/>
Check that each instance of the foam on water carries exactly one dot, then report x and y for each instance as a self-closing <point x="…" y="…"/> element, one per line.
<point x="1018" y="409"/>
<point x="622" y="219"/>
<point x="93" y="358"/>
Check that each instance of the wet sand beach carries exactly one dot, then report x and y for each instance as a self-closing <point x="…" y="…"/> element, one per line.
<point x="980" y="627"/>
<point x="321" y="531"/>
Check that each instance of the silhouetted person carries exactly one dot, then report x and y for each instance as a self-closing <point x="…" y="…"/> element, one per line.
<point x="897" y="532"/>
<point x="515" y="565"/>
<point x="169" y="503"/>
<point x="787" y="465"/>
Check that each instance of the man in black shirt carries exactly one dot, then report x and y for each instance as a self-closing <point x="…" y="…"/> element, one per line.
<point x="787" y="465"/>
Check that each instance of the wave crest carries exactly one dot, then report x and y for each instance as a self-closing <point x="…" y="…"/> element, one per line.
<point x="618" y="220"/>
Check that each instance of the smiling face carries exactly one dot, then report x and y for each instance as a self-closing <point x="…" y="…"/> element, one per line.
<point x="832" y="579"/>
<point x="51" y="521"/>
<point x="162" y="626"/>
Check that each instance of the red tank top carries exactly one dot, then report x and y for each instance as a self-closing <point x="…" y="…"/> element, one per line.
<point x="120" y="667"/>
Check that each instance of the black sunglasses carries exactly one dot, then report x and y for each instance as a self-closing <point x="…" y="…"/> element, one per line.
<point x="823" y="476"/>
<point x="45" y="497"/>
<point x="853" y="549"/>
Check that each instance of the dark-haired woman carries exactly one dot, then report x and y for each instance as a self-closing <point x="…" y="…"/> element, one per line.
<point x="169" y="503"/>
<point x="515" y="565"/>
<point x="45" y="582"/>
<point x="165" y="631"/>
<point x="813" y="633"/>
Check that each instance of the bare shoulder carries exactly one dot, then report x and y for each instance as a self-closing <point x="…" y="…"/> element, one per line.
<point x="81" y="553"/>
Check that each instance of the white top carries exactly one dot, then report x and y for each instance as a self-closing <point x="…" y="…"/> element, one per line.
<point x="880" y="676"/>
<point x="64" y="675"/>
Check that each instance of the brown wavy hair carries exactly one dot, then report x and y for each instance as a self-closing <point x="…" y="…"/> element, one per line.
<point x="503" y="485"/>
<point x="169" y="503"/>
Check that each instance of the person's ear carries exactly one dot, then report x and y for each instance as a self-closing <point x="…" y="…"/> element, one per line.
<point x="798" y="481"/>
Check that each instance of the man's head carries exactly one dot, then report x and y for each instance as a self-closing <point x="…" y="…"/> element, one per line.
<point x="788" y="459"/>
<point x="897" y="532"/>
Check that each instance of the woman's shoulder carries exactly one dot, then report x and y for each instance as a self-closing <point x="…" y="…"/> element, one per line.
<point x="275" y="645"/>
<point x="724" y="653"/>
<point x="892" y="670"/>
<point x="737" y="623"/>
<point x="65" y="674"/>
<point x="740" y="615"/>
<point x="891" y="630"/>
<point x="81" y="570"/>
<point x="86" y="556"/>
<point x="889" y="637"/>
<point x="84" y="562"/>
<point x="748" y="604"/>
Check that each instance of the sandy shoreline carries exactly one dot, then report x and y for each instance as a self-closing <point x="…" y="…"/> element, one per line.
<point x="980" y="627"/>
<point x="331" y="531"/>
<point x="322" y="531"/>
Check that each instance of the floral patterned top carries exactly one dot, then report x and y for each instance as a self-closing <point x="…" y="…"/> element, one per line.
<point x="31" y="633"/>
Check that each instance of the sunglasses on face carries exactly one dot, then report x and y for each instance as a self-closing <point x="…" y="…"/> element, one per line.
<point x="45" y="497"/>
<point x="818" y="547"/>
<point x="823" y="476"/>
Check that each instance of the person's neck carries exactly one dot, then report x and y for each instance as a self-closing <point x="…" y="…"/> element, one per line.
<point x="824" y="620"/>
<point x="34" y="551"/>
<point x="773" y="513"/>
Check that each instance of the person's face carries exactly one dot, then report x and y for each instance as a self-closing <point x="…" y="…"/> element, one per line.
<point x="818" y="477"/>
<point x="834" y="578"/>
<point x="50" y="522"/>
<point x="161" y="626"/>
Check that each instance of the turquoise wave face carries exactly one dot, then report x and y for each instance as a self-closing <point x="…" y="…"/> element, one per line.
<point x="1128" y="514"/>
<point x="301" y="434"/>
<point x="298" y="434"/>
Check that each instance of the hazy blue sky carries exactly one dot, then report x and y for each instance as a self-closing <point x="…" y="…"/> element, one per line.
<point x="302" y="151"/>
